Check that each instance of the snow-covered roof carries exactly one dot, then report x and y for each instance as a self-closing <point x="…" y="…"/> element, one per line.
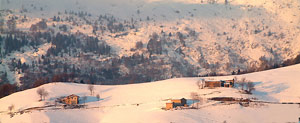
<point x="218" y="79"/>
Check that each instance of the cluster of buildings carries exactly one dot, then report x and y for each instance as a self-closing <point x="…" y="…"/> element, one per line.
<point x="176" y="103"/>
<point x="219" y="83"/>
<point x="74" y="99"/>
<point x="207" y="84"/>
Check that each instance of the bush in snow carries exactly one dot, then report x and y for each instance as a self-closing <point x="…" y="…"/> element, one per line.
<point x="11" y="107"/>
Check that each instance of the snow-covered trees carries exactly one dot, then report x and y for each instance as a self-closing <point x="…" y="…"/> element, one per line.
<point x="42" y="93"/>
<point x="139" y="45"/>
<point x="173" y="52"/>
<point x="39" y="26"/>
<point x="63" y="28"/>
<point x="14" y="43"/>
<point x="154" y="46"/>
<point x="292" y="61"/>
<point x="200" y="84"/>
<point x="11" y="24"/>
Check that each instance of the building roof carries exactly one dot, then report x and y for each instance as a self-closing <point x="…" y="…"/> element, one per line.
<point x="174" y="100"/>
<point x="217" y="79"/>
<point x="72" y="95"/>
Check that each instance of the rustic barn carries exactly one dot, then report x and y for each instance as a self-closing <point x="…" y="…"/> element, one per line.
<point x="71" y="99"/>
<point x="219" y="83"/>
<point x="213" y="84"/>
<point x="175" y="103"/>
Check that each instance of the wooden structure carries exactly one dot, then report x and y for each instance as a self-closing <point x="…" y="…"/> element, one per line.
<point x="71" y="99"/>
<point x="175" y="103"/>
<point x="212" y="84"/>
<point x="219" y="83"/>
<point x="228" y="83"/>
<point x="169" y="105"/>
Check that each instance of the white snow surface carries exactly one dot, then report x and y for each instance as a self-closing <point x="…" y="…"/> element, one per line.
<point x="234" y="36"/>
<point x="118" y="102"/>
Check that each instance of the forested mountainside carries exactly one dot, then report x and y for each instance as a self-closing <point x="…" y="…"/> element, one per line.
<point x="121" y="42"/>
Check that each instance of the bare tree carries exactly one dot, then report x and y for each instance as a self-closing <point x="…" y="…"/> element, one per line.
<point x="91" y="88"/>
<point x="200" y="99"/>
<point x="250" y="87"/>
<point x="235" y="79"/>
<point x="10" y="108"/>
<point x="200" y="84"/>
<point x="226" y="2"/>
<point x="194" y="97"/>
<point x="45" y="94"/>
<point x="242" y="83"/>
<point x="98" y="97"/>
<point x="42" y="93"/>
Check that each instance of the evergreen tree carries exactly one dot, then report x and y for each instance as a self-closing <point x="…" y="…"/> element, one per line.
<point x="11" y="24"/>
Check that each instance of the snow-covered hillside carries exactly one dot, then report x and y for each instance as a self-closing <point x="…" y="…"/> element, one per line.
<point x="196" y="37"/>
<point x="119" y="103"/>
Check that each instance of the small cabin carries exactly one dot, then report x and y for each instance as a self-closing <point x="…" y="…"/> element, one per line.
<point x="175" y="103"/>
<point x="219" y="83"/>
<point x="71" y="100"/>
<point x="229" y="83"/>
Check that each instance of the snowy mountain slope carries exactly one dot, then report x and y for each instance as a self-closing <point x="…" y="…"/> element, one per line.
<point x="28" y="55"/>
<point x="119" y="103"/>
<point x="215" y="36"/>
